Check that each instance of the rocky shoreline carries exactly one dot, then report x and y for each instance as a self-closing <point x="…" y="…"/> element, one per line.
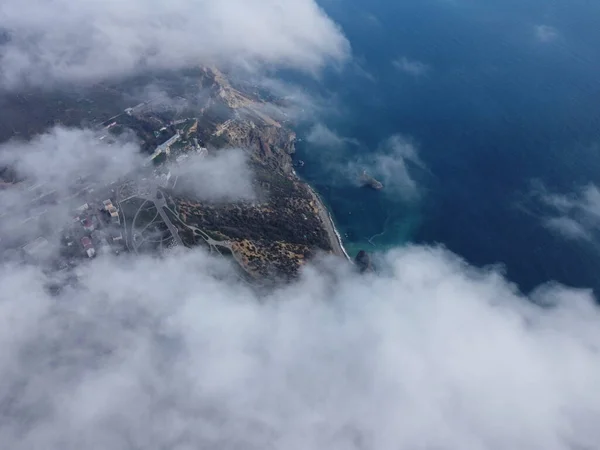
<point x="334" y="236"/>
<point x="273" y="144"/>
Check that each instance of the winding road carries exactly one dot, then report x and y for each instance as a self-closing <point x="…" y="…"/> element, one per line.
<point x="159" y="202"/>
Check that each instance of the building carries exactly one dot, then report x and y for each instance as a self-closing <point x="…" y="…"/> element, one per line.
<point x="112" y="211"/>
<point x="163" y="179"/>
<point x="86" y="242"/>
<point x="88" y="225"/>
<point x="114" y="215"/>
<point x="88" y="246"/>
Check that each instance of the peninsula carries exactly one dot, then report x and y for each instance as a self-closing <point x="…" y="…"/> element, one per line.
<point x="270" y="237"/>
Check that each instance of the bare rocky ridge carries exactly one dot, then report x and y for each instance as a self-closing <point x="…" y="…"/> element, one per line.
<point x="278" y="234"/>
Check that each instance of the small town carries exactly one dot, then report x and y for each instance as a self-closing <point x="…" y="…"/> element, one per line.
<point x="99" y="225"/>
<point x="151" y="210"/>
<point x="95" y="228"/>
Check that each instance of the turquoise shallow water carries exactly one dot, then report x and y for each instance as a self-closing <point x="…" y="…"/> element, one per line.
<point x="366" y="219"/>
<point x="496" y="95"/>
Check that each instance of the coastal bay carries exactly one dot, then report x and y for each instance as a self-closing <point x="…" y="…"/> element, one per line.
<point x="495" y="109"/>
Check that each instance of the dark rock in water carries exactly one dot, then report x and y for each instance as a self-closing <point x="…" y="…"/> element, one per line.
<point x="363" y="262"/>
<point x="368" y="181"/>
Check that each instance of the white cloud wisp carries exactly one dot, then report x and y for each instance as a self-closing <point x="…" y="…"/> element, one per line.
<point x="575" y="216"/>
<point x="546" y="34"/>
<point x="411" y="67"/>
<point x="323" y="136"/>
<point x="393" y="164"/>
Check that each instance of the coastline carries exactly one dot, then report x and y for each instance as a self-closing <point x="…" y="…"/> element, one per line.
<point x="334" y="236"/>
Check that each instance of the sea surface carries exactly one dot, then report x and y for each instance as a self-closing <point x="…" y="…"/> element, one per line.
<point x="496" y="98"/>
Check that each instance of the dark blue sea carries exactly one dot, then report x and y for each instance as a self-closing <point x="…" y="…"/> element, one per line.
<point x="497" y="96"/>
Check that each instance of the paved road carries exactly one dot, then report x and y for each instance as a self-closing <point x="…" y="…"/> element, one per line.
<point x="160" y="203"/>
<point x="136" y="245"/>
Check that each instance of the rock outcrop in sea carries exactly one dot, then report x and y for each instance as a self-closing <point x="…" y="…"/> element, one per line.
<point x="367" y="180"/>
<point x="363" y="262"/>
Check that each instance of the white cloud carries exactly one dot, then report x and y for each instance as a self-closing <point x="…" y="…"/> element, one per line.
<point x="575" y="216"/>
<point x="57" y="159"/>
<point x="159" y="353"/>
<point x="293" y="102"/>
<point x="546" y="33"/>
<point x="55" y="170"/>
<point x="393" y="164"/>
<point x="372" y="20"/>
<point x="74" y="41"/>
<point x="323" y="136"/>
<point x="567" y="227"/>
<point x="411" y="67"/>
<point x="224" y="176"/>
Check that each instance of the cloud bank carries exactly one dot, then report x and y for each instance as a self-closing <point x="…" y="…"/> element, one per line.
<point x="74" y="41"/>
<point x="175" y="353"/>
